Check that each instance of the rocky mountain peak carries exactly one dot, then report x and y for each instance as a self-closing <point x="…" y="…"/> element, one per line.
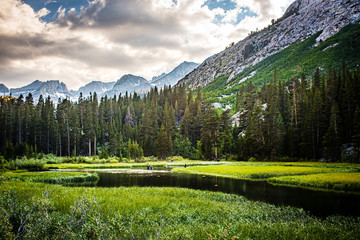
<point x="3" y="89"/>
<point x="301" y="20"/>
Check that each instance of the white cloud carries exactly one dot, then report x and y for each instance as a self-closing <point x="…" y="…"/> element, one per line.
<point x="111" y="38"/>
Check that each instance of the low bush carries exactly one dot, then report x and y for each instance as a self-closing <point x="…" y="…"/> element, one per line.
<point x="53" y="177"/>
<point x="30" y="164"/>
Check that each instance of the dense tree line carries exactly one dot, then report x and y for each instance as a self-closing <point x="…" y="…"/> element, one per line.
<point x="310" y="118"/>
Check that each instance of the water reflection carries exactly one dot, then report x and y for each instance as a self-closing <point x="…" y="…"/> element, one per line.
<point x="319" y="203"/>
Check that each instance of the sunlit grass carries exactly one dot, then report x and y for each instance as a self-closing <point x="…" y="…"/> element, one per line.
<point x="174" y="213"/>
<point x="336" y="181"/>
<point x="253" y="171"/>
<point x="52" y="177"/>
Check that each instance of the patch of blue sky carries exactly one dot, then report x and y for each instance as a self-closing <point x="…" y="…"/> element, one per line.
<point x="224" y="4"/>
<point x="219" y="19"/>
<point x="54" y="5"/>
<point x="245" y="13"/>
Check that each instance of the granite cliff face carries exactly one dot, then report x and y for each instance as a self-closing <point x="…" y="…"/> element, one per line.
<point x="301" y="20"/>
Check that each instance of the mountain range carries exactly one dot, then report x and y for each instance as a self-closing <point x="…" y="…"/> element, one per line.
<point x="311" y="34"/>
<point x="127" y="83"/>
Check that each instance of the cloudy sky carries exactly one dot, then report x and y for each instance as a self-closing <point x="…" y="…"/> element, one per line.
<point x="78" y="41"/>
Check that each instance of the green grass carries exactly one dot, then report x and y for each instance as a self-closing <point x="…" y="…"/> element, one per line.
<point x="324" y="176"/>
<point x="336" y="181"/>
<point x="253" y="172"/>
<point x="160" y="213"/>
<point x="52" y="177"/>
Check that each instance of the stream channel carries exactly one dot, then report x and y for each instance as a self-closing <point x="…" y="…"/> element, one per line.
<point x="318" y="203"/>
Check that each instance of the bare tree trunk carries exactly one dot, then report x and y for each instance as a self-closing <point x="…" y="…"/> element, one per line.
<point x="89" y="147"/>
<point x="95" y="145"/>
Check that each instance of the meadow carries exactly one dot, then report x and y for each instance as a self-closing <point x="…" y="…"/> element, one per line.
<point x="334" y="181"/>
<point x="52" y="177"/>
<point x="51" y="211"/>
<point x="334" y="176"/>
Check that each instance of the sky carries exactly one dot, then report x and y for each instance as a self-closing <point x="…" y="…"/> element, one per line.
<point x="79" y="41"/>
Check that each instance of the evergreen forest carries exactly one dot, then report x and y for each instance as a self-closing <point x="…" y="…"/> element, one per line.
<point x="313" y="117"/>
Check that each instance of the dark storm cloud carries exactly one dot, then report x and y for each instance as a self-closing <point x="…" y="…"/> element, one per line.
<point x="25" y="47"/>
<point x="108" y="13"/>
<point x="22" y="46"/>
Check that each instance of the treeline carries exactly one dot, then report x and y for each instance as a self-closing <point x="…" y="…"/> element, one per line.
<point x="311" y="118"/>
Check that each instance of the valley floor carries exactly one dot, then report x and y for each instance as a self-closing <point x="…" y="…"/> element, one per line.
<point x="31" y="208"/>
<point x="39" y="210"/>
<point x="322" y="176"/>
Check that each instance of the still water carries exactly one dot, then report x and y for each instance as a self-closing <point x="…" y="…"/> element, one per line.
<point x="319" y="203"/>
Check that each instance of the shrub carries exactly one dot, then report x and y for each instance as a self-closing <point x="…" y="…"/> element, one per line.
<point x="3" y="162"/>
<point x="252" y="159"/>
<point x="69" y="160"/>
<point x="30" y="164"/>
<point x="114" y="161"/>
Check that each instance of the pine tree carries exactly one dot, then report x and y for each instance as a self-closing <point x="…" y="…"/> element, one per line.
<point x="332" y="139"/>
<point x="164" y="144"/>
<point x="209" y="134"/>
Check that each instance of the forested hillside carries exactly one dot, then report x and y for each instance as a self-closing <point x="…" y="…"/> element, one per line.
<point x="300" y="58"/>
<point x="288" y="118"/>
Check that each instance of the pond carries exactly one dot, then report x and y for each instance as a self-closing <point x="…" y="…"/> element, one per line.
<point x="319" y="203"/>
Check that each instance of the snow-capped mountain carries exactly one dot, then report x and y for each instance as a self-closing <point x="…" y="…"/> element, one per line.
<point x="53" y="88"/>
<point x="129" y="83"/>
<point x="175" y="75"/>
<point x="3" y="89"/>
<point x="95" y="86"/>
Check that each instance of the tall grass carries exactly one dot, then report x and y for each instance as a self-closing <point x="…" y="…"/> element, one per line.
<point x="53" y="177"/>
<point x="159" y="213"/>
<point x="335" y="181"/>
<point x="253" y="172"/>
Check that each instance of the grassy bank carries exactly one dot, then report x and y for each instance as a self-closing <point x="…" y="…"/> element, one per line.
<point x="335" y="181"/>
<point x="52" y="177"/>
<point x="329" y="176"/>
<point x="157" y="213"/>
<point x="254" y="172"/>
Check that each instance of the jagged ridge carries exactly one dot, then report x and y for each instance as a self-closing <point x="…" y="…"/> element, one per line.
<point x="302" y="19"/>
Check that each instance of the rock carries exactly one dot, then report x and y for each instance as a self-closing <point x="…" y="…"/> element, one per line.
<point x="301" y="20"/>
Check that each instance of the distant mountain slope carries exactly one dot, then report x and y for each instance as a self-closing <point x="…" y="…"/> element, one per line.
<point x="129" y="83"/>
<point x="303" y="57"/>
<point x="175" y="75"/>
<point x="154" y="79"/>
<point x="94" y="86"/>
<point x="301" y="20"/>
<point x="3" y="89"/>
<point x="53" y="88"/>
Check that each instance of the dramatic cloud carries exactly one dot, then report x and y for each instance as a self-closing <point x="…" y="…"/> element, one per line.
<point x="104" y="39"/>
